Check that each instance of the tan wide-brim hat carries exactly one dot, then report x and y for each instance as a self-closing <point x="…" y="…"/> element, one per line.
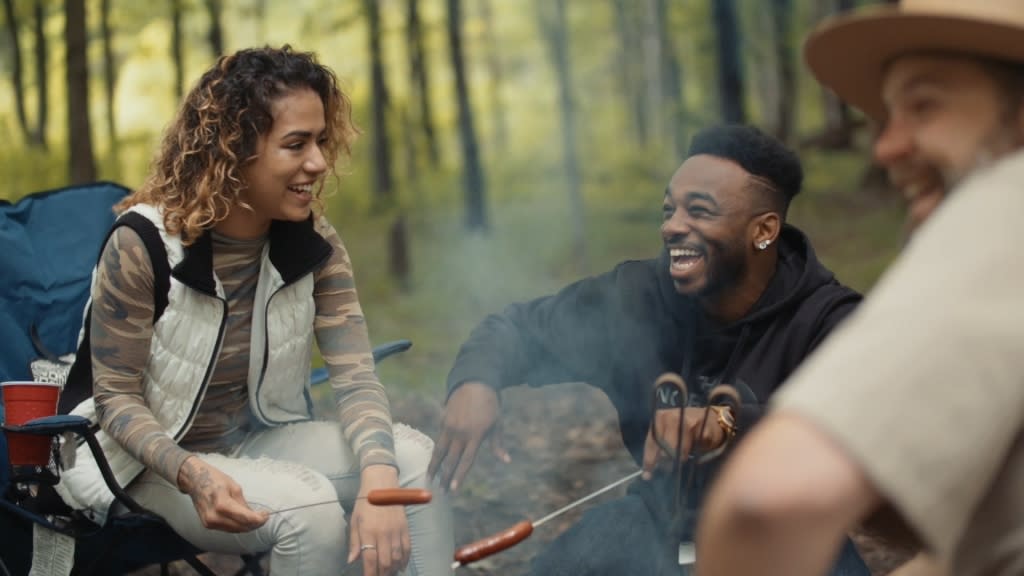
<point x="848" y="53"/>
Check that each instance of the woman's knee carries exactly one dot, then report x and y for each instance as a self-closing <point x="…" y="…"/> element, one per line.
<point x="317" y="444"/>
<point x="309" y="540"/>
<point x="412" y="451"/>
<point x="315" y="528"/>
<point x="302" y="497"/>
<point x="307" y="523"/>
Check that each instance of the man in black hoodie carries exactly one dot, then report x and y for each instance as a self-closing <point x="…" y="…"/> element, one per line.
<point x="737" y="296"/>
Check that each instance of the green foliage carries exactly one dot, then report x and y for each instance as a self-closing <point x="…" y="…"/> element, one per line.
<point x="457" y="278"/>
<point x="30" y="170"/>
<point x="855" y="231"/>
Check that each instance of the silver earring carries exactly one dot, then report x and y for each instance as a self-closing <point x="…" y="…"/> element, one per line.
<point x="763" y="244"/>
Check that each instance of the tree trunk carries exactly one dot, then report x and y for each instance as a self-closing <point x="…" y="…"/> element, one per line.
<point x="383" y="180"/>
<point x="839" y="125"/>
<point x="398" y="253"/>
<point x="400" y="262"/>
<point x="782" y="17"/>
<point x="672" y="74"/>
<point x="83" y="165"/>
<point x="408" y="132"/>
<point x="216" y="33"/>
<point x="383" y="176"/>
<point x="42" y="74"/>
<point x="730" y="66"/>
<point x="109" y="72"/>
<point x="260" y="9"/>
<point x="177" y="47"/>
<point x="496" y="73"/>
<point x="475" y="186"/>
<point x="17" y="74"/>
<point x="626" y="57"/>
<point x="421" y="80"/>
<point x="554" y="24"/>
<point x="652" y="66"/>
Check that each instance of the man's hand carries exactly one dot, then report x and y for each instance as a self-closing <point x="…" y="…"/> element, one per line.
<point x="470" y="416"/>
<point x="218" y="499"/>
<point x="663" y="437"/>
<point x="380" y="534"/>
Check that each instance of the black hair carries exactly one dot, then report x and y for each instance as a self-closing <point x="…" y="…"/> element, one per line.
<point x="776" y="168"/>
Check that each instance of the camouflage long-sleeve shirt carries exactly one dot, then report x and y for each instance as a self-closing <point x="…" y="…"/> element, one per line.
<point x="122" y="328"/>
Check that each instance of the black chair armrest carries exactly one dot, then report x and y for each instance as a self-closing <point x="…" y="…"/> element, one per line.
<point x="390" y="349"/>
<point x="52" y="425"/>
<point x="319" y="375"/>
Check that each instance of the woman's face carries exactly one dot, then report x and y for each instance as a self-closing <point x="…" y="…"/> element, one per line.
<point x="289" y="161"/>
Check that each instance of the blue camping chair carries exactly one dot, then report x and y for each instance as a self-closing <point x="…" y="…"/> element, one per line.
<point x="51" y="241"/>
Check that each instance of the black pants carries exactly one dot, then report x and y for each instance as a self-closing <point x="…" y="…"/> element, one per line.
<point x="625" y="537"/>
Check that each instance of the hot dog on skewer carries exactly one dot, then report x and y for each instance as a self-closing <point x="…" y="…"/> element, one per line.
<point x="398" y="496"/>
<point x="493" y="544"/>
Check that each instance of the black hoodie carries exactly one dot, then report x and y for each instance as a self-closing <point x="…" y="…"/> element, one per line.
<point x="619" y="331"/>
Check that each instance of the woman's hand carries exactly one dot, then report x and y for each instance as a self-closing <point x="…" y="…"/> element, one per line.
<point x="379" y="533"/>
<point x="218" y="499"/>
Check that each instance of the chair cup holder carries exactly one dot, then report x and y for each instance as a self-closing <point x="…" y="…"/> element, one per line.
<point x="43" y="475"/>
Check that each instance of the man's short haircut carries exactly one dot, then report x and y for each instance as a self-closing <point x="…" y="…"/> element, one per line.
<point x="776" y="169"/>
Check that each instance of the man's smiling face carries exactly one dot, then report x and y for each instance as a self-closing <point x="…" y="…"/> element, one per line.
<point x="705" y="216"/>
<point x="947" y="116"/>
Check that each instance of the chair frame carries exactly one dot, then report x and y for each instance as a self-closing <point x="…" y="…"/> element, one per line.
<point x="26" y="494"/>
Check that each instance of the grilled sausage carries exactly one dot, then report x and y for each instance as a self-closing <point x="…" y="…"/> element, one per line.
<point x="399" y="496"/>
<point x="495" y="543"/>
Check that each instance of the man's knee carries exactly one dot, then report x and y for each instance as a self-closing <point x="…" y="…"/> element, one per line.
<point x="619" y="537"/>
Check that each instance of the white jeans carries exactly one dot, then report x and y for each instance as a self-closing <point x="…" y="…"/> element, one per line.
<point x="301" y="465"/>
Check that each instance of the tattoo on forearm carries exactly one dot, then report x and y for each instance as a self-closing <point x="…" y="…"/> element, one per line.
<point x="204" y="482"/>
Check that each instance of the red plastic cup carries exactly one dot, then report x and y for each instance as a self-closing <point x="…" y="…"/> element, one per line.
<point x="24" y="401"/>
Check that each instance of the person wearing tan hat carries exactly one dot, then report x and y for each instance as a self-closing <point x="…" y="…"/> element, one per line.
<point x="909" y="419"/>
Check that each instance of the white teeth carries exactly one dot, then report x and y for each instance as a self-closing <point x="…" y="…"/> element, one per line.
<point x="303" y="188"/>
<point x="684" y="258"/>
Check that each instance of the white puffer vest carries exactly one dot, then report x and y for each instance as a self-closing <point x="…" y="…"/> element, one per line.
<point x="186" y="343"/>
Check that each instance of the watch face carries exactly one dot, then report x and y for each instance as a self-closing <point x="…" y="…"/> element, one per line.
<point x="669" y="395"/>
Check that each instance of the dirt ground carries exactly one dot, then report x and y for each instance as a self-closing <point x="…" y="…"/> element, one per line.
<point x="564" y="444"/>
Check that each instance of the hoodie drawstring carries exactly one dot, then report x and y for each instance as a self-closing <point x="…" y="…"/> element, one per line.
<point x="680" y="510"/>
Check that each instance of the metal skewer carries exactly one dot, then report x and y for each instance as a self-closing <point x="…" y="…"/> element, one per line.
<point x="380" y="497"/>
<point x="590" y="496"/>
<point x="565" y="509"/>
<point x="720" y="395"/>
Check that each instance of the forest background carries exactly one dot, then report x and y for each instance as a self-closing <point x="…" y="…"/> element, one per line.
<point x="509" y="147"/>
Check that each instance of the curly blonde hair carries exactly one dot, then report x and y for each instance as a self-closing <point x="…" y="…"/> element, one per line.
<point x="196" y="177"/>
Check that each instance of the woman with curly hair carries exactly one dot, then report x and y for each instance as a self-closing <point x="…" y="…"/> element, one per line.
<point x="204" y="408"/>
